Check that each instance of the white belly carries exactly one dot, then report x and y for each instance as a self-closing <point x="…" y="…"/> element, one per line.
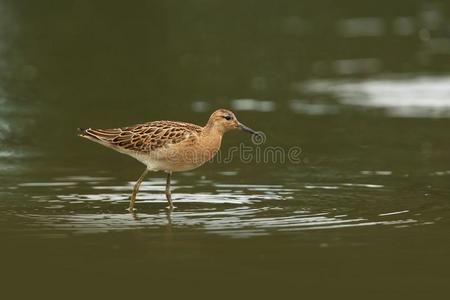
<point x="164" y="165"/>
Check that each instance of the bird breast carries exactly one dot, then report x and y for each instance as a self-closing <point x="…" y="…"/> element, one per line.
<point x="187" y="155"/>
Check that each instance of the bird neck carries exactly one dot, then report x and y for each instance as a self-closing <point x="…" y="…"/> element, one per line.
<point x="211" y="129"/>
<point x="211" y="139"/>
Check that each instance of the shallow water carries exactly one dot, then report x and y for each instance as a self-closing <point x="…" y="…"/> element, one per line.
<point x="361" y="211"/>
<point x="84" y="204"/>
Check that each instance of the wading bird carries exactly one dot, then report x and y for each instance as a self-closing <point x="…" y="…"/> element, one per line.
<point x="167" y="145"/>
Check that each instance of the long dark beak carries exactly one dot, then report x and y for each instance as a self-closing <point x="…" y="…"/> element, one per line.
<point x="248" y="129"/>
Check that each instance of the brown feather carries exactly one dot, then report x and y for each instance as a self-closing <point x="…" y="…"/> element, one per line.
<point x="145" y="137"/>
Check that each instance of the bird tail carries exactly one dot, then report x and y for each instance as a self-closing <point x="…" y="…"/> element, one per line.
<point x="85" y="132"/>
<point x="81" y="131"/>
<point x="101" y="136"/>
<point x="91" y="134"/>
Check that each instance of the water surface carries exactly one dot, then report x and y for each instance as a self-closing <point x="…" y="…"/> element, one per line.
<point x="363" y="211"/>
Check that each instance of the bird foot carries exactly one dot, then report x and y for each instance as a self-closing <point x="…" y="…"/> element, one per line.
<point x="171" y="207"/>
<point x="131" y="209"/>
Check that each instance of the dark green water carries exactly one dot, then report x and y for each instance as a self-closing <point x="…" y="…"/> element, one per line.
<point x="362" y="90"/>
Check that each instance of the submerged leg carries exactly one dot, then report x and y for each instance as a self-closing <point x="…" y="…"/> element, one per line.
<point x="168" y="193"/>
<point x="135" y="191"/>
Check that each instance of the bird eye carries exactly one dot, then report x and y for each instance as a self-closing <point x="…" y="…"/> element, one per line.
<point x="228" y="118"/>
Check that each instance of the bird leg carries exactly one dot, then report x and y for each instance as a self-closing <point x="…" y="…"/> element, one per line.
<point x="135" y="191"/>
<point x="168" y="193"/>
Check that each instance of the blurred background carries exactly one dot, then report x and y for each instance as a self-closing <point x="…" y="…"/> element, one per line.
<point x="363" y="87"/>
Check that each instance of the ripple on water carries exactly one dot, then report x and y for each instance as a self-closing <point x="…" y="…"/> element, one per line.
<point x="241" y="221"/>
<point x="234" y="210"/>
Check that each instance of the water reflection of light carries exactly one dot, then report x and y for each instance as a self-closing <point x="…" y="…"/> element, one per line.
<point x="357" y="66"/>
<point x="237" y="104"/>
<point x="404" y="26"/>
<point x="14" y="114"/>
<point x="313" y="108"/>
<point x="382" y="173"/>
<point x="200" y="106"/>
<point x="357" y="27"/>
<point x="411" y="97"/>
<point x="233" y="210"/>
<point x="240" y="222"/>
<point x="350" y="66"/>
<point x="441" y="173"/>
<point x="251" y="104"/>
<point x="394" y="213"/>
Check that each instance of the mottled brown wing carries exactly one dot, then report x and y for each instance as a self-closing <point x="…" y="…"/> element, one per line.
<point x="143" y="137"/>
